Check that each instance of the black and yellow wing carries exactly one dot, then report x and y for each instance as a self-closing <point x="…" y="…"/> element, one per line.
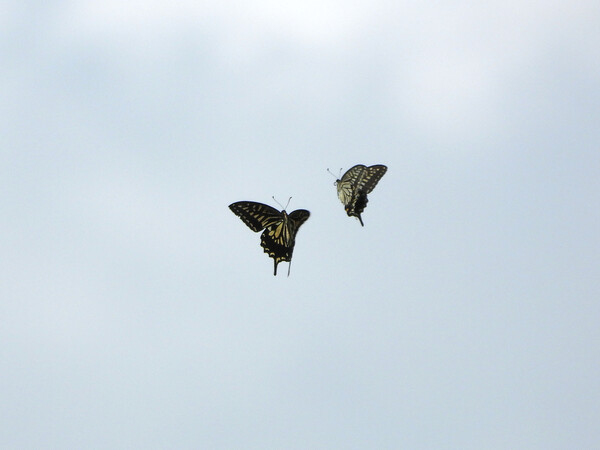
<point x="256" y="215"/>
<point x="355" y="184"/>
<point x="279" y="235"/>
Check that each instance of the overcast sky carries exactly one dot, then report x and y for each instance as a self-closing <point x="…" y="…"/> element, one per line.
<point x="139" y="312"/>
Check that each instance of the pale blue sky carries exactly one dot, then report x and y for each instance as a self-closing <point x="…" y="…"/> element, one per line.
<point x="139" y="312"/>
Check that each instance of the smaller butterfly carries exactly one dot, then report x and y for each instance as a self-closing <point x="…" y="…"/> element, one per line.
<point x="279" y="236"/>
<point x="355" y="184"/>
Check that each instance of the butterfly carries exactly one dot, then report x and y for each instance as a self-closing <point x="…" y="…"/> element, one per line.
<point x="279" y="236"/>
<point x="355" y="184"/>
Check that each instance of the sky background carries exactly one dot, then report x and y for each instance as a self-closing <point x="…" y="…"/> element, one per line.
<point x="138" y="312"/>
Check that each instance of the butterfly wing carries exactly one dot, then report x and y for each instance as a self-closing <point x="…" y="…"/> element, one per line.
<point x="278" y="237"/>
<point x="371" y="177"/>
<point x="278" y="240"/>
<point x="298" y="217"/>
<point x="354" y="186"/>
<point x="256" y="215"/>
<point x="347" y="184"/>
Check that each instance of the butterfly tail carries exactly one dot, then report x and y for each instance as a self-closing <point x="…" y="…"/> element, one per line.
<point x="275" y="262"/>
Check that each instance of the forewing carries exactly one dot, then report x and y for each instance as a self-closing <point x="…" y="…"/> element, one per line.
<point x="256" y="215"/>
<point x="371" y="177"/>
<point x="346" y="186"/>
<point x="353" y="174"/>
<point x="298" y="217"/>
<point x="364" y="178"/>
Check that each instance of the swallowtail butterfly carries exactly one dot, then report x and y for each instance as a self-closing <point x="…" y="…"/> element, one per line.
<point x="279" y="236"/>
<point x="355" y="184"/>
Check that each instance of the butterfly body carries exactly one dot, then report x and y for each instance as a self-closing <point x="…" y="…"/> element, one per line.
<point x="355" y="184"/>
<point x="280" y="228"/>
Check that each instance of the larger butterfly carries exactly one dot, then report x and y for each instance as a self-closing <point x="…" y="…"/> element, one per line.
<point x="279" y="236"/>
<point x="355" y="184"/>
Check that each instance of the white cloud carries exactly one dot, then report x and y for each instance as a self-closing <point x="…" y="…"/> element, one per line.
<point x="461" y="61"/>
<point x="309" y="21"/>
<point x="447" y="66"/>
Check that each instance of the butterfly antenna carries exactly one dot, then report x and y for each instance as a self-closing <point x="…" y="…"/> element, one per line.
<point x="273" y="197"/>
<point x="282" y="207"/>
<point x="333" y="175"/>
